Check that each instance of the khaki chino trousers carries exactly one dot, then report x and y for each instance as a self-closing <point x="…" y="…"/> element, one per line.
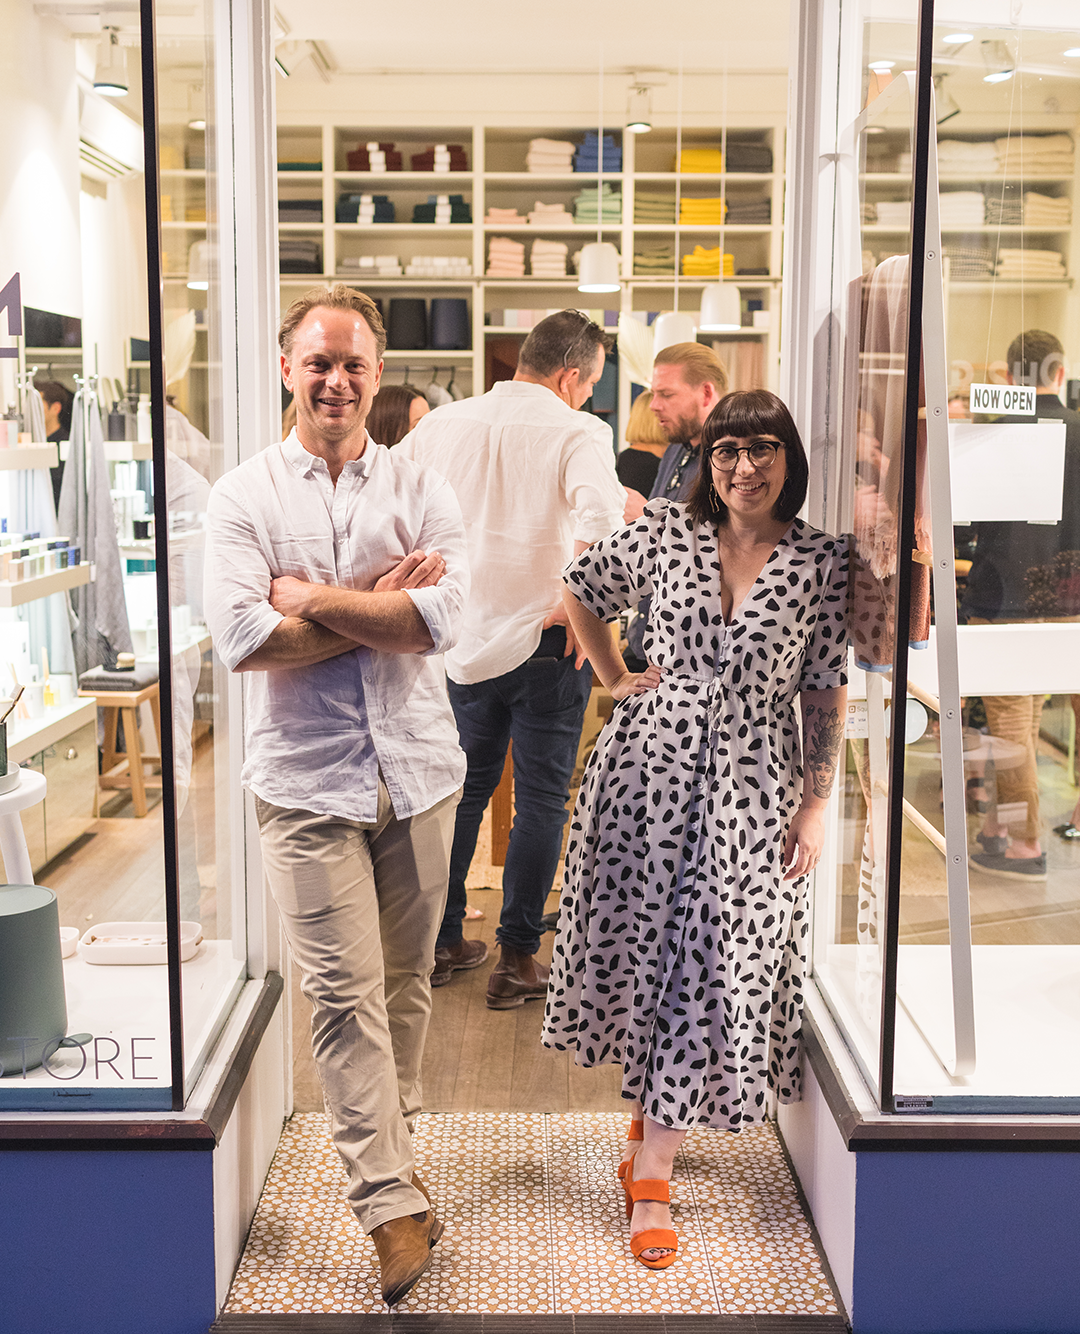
<point x="361" y="905"/>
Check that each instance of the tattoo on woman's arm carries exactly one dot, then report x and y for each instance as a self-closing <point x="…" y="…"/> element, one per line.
<point x="825" y="734"/>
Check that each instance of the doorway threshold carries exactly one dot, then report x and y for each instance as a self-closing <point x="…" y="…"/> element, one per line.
<point x="536" y="1229"/>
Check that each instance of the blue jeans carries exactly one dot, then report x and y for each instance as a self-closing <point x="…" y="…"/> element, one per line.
<point x="539" y="706"/>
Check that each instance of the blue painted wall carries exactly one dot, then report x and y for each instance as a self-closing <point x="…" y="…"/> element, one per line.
<point x="953" y="1243"/>
<point x="106" y="1242"/>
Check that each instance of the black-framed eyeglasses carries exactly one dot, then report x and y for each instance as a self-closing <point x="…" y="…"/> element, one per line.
<point x="762" y="454"/>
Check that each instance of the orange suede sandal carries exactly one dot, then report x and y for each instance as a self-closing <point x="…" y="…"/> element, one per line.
<point x="636" y="1131"/>
<point x="654" y="1238"/>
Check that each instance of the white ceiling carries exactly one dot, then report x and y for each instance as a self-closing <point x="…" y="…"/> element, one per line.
<point x="492" y="36"/>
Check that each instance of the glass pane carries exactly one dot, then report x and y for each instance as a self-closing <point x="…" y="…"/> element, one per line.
<point x="870" y="296"/>
<point x="1007" y="101"/>
<point x="190" y="128"/>
<point x="73" y="231"/>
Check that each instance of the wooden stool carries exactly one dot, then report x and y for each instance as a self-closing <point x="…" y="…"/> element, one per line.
<point x="123" y="769"/>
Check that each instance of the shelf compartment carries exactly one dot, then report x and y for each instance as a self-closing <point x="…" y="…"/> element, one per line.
<point x="60" y="581"/>
<point x="424" y="355"/>
<point x="401" y="228"/>
<point x="403" y="177"/>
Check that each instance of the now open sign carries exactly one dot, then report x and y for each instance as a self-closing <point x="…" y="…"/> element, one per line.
<point x="1012" y="398"/>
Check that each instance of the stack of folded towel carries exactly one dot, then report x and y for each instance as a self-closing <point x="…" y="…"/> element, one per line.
<point x="701" y="212"/>
<point x="299" y="210"/>
<point x="438" y="266"/>
<point x="593" y="200"/>
<point x="748" y="157"/>
<point x="370" y="266"/>
<point x="653" y="208"/>
<point x="550" y="156"/>
<point x="961" y="209"/>
<point x="364" y="208"/>
<point x="443" y="209"/>
<point x="1047" y="210"/>
<point x="1029" y="265"/>
<point x="1035" y="155"/>
<point x="506" y="258"/>
<point x="298" y="255"/>
<point x="441" y="157"/>
<point x="961" y="157"/>
<point x="587" y="157"/>
<point x="749" y="212"/>
<point x="700" y="159"/>
<point x="894" y="213"/>
<point x="654" y="258"/>
<point x="548" y="259"/>
<point x="970" y="262"/>
<point x="550" y="215"/>
<point x="504" y="217"/>
<point x="374" y="157"/>
<point x="702" y="263"/>
<point x="1004" y="206"/>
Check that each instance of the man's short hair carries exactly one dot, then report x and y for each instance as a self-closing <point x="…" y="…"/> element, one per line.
<point x="697" y="362"/>
<point x="562" y="342"/>
<point x="340" y="296"/>
<point x="1035" y="358"/>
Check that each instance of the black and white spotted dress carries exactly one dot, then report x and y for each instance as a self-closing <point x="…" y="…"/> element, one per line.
<point x="680" y="946"/>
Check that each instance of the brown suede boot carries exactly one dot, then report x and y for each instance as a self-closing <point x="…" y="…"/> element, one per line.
<point x="404" y="1247"/>
<point x="516" y="978"/>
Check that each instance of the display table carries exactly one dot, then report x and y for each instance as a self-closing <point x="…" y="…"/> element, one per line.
<point x="31" y="790"/>
<point x="124" y="769"/>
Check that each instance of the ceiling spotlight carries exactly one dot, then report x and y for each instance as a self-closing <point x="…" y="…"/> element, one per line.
<point x="998" y="61"/>
<point x="110" y="77"/>
<point x="881" y="66"/>
<point x="958" y="38"/>
<point x="196" y="124"/>
<point x="1073" y="51"/>
<point x="639" y="110"/>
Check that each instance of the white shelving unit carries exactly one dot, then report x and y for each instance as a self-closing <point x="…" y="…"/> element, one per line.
<point x="977" y="336"/>
<point x="497" y="158"/>
<point x="60" y="581"/>
<point x="28" y="456"/>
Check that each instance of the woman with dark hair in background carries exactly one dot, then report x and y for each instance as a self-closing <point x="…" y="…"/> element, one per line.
<point x="395" y="410"/>
<point x="680" y="946"/>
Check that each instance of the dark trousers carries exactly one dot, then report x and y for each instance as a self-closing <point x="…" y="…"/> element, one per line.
<point x="539" y="706"/>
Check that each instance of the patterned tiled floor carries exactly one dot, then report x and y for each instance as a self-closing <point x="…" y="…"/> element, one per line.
<point x="535" y="1224"/>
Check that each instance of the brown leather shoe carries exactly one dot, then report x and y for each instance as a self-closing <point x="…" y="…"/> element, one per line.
<point x="516" y="978"/>
<point x="404" y="1247"/>
<point x="465" y="954"/>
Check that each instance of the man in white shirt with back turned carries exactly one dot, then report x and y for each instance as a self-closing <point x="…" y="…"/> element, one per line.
<point x="336" y="570"/>
<point x="536" y="482"/>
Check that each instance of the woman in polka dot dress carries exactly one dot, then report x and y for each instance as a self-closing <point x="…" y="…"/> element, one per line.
<point x="680" y="946"/>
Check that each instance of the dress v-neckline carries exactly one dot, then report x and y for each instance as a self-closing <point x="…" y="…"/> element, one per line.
<point x="729" y="621"/>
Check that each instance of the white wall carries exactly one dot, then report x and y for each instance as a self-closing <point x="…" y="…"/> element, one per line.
<point x="114" y="288"/>
<point x="39" y="159"/>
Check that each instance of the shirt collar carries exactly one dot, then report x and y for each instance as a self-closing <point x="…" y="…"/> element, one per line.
<point x="307" y="464"/>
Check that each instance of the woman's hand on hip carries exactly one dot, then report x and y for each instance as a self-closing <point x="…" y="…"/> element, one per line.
<point x="805" y="840"/>
<point x="636" y="683"/>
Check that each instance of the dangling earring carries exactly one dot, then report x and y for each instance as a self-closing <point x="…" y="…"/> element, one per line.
<point x="715" y="497"/>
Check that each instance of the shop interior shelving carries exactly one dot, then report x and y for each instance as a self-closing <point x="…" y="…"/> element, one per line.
<point x="497" y="177"/>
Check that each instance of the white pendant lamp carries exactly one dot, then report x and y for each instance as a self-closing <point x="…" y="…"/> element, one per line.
<point x="721" y="309"/>
<point x="110" y="76"/>
<point x="672" y="326"/>
<point x="598" y="263"/>
<point x="599" y="271"/>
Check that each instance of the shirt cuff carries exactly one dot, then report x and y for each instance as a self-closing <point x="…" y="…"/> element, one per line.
<point x="432" y="606"/>
<point x="248" y="632"/>
<point x="592" y="525"/>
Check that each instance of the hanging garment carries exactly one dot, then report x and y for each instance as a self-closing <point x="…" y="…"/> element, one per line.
<point x="86" y="516"/>
<point x="34" y="511"/>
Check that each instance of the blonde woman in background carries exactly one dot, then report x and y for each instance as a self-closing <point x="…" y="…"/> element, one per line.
<point x="646" y="442"/>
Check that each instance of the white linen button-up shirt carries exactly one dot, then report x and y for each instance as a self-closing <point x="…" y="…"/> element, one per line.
<point x="532" y="476"/>
<point x="316" y="737"/>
